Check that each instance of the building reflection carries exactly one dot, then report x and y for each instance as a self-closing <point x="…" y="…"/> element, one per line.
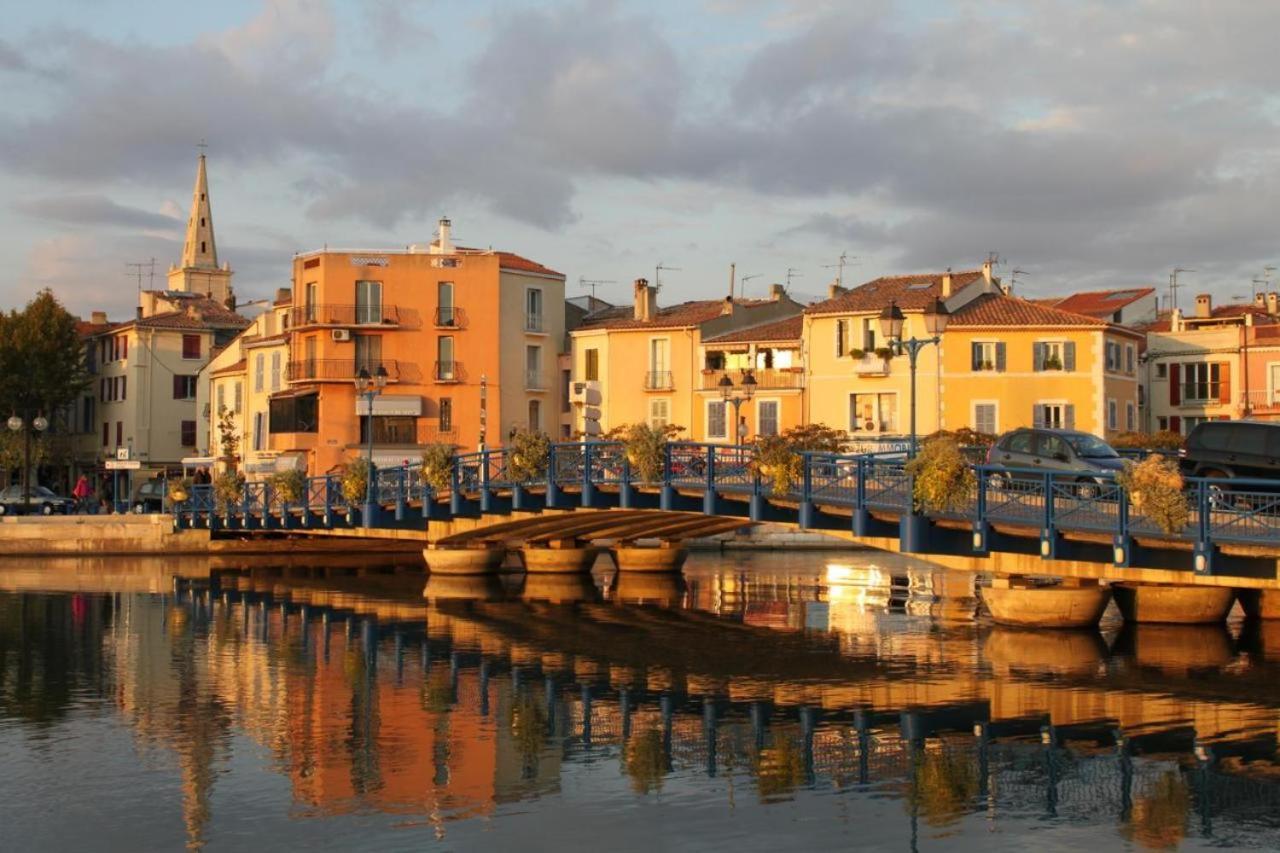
<point x="376" y="690"/>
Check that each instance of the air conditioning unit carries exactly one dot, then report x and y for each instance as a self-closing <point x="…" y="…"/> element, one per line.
<point x="585" y="393"/>
<point x="342" y="334"/>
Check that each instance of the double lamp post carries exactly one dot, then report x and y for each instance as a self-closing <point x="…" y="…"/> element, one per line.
<point x="38" y="424"/>
<point x="370" y="387"/>
<point x="892" y="321"/>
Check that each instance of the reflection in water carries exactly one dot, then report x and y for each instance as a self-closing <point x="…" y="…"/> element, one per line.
<point x="354" y="706"/>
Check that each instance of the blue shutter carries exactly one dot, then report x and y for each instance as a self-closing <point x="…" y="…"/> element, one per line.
<point x="975" y="356"/>
<point x="1000" y="357"/>
<point x="1069" y="355"/>
<point x="1037" y="414"/>
<point x="1037" y="357"/>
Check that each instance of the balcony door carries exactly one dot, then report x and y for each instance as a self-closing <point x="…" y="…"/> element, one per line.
<point x="368" y="353"/>
<point x="444" y="299"/>
<point x="445" y="366"/>
<point x="368" y="302"/>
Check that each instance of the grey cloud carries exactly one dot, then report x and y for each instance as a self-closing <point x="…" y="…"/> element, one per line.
<point x="93" y="210"/>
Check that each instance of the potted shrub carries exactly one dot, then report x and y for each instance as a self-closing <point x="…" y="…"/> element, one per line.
<point x="290" y="486"/>
<point x="857" y="354"/>
<point x="527" y="456"/>
<point x="1053" y="363"/>
<point x="228" y="491"/>
<point x="645" y="447"/>
<point x="778" y="459"/>
<point x="355" y="482"/>
<point x="437" y="466"/>
<point x="1155" y="487"/>
<point x="942" y="479"/>
<point x="178" y="491"/>
<point x="884" y="353"/>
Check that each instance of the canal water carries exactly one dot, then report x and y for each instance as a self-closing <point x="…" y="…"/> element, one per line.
<point x="766" y="702"/>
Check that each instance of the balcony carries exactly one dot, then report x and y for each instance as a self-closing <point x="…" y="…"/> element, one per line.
<point x="446" y="372"/>
<point x="1264" y="401"/>
<point x="338" y="370"/>
<point x="449" y="318"/>
<point x="767" y="378"/>
<point x="342" y="316"/>
<point x="534" y="381"/>
<point x="871" y="365"/>
<point x="533" y="322"/>
<point x="658" y="380"/>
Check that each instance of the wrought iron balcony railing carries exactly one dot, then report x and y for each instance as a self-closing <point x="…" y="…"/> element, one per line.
<point x="339" y="369"/>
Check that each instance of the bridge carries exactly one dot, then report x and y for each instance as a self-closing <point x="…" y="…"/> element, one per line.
<point x="1233" y="527"/>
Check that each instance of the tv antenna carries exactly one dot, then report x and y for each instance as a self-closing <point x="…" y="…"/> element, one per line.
<point x="1173" y="286"/>
<point x="1013" y="278"/>
<point x="742" y="283"/>
<point x="1253" y="290"/>
<point x="838" y="266"/>
<point x="657" y="274"/>
<point x="792" y="272"/>
<point x="134" y="270"/>
<point x="593" y="283"/>
<point x="993" y="258"/>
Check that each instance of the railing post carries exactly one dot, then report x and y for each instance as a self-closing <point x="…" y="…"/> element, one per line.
<point x="402" y="498"/>
<point x="486" y="496"/>
<point x="1050" y="539"/>
<point x="588" y="488"/>
<point x="455" y="487"/>
<point x="626" y="492"/>
<point x="1203" y="553"/>
<point x="806" y="491"/>
<point x="667" y="497"/>
<point x="756" y="504"/>
<point x="861" y="517"/>
<point x="1122" y="542"/>
<point x="709" y="506"/>
<point x="913" y="526"/>
<point x="268" y="521"/>
<point x="981" y="527"/>
<point x="553" y="488"/>
<point x="328" y="500"/>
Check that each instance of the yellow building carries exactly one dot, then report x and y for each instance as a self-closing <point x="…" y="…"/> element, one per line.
<point x="645" y="364"/>
<point x="773" y="355"/>
<point x="1009" y="363"/>
<point x="852" y="381"/>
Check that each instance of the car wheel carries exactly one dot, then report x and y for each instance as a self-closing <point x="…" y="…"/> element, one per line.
<point x="137" y="509"/>
<point x="3" y="509"/>
<point x="999" y="481"/>
<point x="46" y="509"/>
<point x="1086" y="489"/>
<point x="1218" y="494"/>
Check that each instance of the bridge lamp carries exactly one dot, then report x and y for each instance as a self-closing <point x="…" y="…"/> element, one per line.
<point x="369" y="387"/>
<point x="38" y="424"/>
<point x="892" y="321"/>
<point x="748" y="390"/>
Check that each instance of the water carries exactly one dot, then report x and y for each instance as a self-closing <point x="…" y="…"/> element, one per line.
<point x="778" y="702"/>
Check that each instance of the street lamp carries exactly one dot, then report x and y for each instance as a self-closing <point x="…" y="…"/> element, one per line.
<point x="748" y="387"/>
<point x="370" y="387"/>
<point x="39" y="424"/>
<point x="892" y="321"/>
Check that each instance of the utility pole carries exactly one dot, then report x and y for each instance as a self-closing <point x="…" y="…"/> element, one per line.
<point x="838" y="266"/>
<point x="742" y="284"/>
<point x="733" y="279"/>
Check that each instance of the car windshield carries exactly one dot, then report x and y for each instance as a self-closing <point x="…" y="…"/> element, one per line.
<point x="42" y="492"/>
<point x="1092" y="447"/>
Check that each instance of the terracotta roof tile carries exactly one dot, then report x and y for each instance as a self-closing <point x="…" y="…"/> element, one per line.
<point x="910" y="292"/>
<point x="512" y="261"/>
<point x="239" y="367"/>
<point x="789" y="329"/>
<point x="993" y="309"/>
<point x="674" y="316"/>
<point x="1101" y="303"/>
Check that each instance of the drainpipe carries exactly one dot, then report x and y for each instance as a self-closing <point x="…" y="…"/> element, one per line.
<point x="1244" y="347"/>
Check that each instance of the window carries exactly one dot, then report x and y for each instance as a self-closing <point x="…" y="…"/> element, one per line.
<point x="869" y="333"/>
<point x="368" y="302"/>
<point x="1162" y="370"/>
<point x="1201" y="381"/>
<point x="275" y="371"/>
<point x="1053" y="416"/>
<point x="987" y="356"/>
<point x="659" y="412"/>
<point x="390" y="429"/>
<point x="184" y="387"/>
<point x="259" y="371"/>
<point x="102" y="390"/>
<point x="309" y="356"/>
<point x="1020" y="442"/>
<point x="444" y="299"/>
<point x="446" y="415"/>
<point x="190" y="346"/>
<point x="767" y="417"/>
<point x="259" y="431"/>
<point x="566" y="382"/>
<point x="238" y="398"/>
<point x="106" y="434"/>
<point x="222" y="398"/>
<point x="659" y="375"/>
<point x="368" y="353"/>
<point x="1113" y="356"/>
<point x="124" y="346"/>
<point x="1162" y="423"/>
<point x="717" y="425"/>
<point x="1130" y="359"/>
<point x="984" y="418"/>
<point x="309" y="302"/>
<point x="533" y="367"/>
<point x="188" y="434"/>
<point x="873" y="412"/>
<point x="293" y="414"/>
<point x="592" y="365"/>
<point x="1130" y="417"/>
<point x="1113" y="414"/>
<point x="124" y="387"/>
<point x="444" y="358"/>
<point x="119" y="433"/>
<point x="533" y="310"/>
<point x="535" y="416"/>
<point x="1054" y="355"/>
<point x="842" y="337"/>
<point x="1188" y="424"/>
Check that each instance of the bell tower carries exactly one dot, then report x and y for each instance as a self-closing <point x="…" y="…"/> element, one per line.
<point x="199" y="271"/>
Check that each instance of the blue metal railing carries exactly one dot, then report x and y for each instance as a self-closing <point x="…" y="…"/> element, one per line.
<point x="1239" y="511"/>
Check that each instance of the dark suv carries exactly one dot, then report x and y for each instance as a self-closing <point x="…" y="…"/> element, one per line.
<point x="1233" y="449"/>
<point x="1057" y="450"/>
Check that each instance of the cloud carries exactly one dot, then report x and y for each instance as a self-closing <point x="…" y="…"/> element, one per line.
<point x="96" y="210"/>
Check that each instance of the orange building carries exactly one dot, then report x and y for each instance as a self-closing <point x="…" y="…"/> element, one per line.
<point x="460" y="333"/>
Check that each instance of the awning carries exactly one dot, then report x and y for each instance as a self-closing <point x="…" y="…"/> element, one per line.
<point x="391" y="404"/>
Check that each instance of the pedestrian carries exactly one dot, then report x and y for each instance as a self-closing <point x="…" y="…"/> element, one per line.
<point x="81" y="493"/>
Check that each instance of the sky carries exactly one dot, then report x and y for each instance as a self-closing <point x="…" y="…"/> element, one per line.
<point x="1089" y="144"/>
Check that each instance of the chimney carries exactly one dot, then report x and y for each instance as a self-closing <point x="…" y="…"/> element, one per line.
<point x="444" y="242"/>
<point x="643" y="300"/>
<point x="776" y="292"/>
<point x="1204" y="306"/>
<point x="98" y="318"/>
<point x="1175" y="321"/>
<point x="946" y="284"/>
<point x="834" y="290"/>
<point x="284" y="294"/>
<point x="726" y="309"/>
<point x="1273" y="303"/>
<point x="986" y="270"/>
<point x="1260" y="300"/>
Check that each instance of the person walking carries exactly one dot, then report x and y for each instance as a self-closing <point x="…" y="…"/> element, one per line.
<point x="81" y="493"/>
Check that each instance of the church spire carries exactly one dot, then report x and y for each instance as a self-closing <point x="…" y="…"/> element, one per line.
<point x="199" y="250"/>
<point x="199" y="271"/>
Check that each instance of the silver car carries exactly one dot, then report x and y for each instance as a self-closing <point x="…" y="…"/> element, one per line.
<point x="1026" y="451"/>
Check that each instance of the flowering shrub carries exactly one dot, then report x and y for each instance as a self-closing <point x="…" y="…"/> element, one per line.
<point x="778" y="458"/>
<point x="1155" y="489"/>
<point x="1162" y="440"/>
<point x="942" y="479"/>
<point x="527" y="456"/>
<point x="355" y="481"/>
<point x="437" y="466"/>
<point x="290" y="486"/>
<point x="228" y="489"/>
<point x="644" y="446"/>
<point x="178" y="490"/>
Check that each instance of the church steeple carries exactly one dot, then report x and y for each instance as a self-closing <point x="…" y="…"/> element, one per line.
<point x="199" y="271"/>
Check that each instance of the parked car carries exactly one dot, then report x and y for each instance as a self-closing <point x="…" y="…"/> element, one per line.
<point x="43" y="501"/>
<point x="150" y="497"/>
<point x="1059" y="450"/>
<point x="1233" y="450"/>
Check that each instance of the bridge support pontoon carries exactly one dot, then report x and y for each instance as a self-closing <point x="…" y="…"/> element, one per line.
<point x="1017" y="602"/>
<point x="1170" y="603"/>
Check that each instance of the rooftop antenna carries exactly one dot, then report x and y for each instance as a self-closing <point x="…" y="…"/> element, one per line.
<point x="742" y="283"/>
<point x="1253" y="290"/>
<point x="838" y="266"/>
<point x="792" y="273"/>
<point x="657" y="274"/>
<point x="1013" y="278"/>
<point x="1173" y="286"/>
<point x="993" y="258"/>
<point x="134" y="270"/>
<point x="593" y="283"/>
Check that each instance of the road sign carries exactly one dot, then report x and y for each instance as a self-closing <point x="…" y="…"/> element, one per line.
<point x="123" y="464"/>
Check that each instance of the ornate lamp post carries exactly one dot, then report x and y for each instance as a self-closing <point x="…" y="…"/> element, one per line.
<point x="38" y="424"/>
<point x="370" y="387"/>
<point x="748" y="387"/>
<point x="892" y="321"/>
